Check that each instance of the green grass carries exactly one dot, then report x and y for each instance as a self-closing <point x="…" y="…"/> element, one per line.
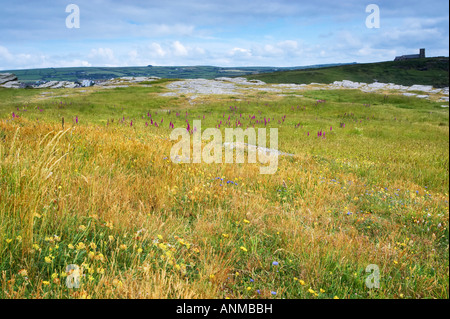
<point x="105" y="73"/>
<point x="372" y="192"/>
<point x="428" y="71"/>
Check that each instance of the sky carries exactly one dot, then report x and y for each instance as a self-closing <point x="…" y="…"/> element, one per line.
<point x="281" y="33"/>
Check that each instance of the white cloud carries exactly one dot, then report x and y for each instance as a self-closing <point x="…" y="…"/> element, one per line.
<point x="103" y="56"/>
<point x="157" y="50"/>
<point x="179" y="49"/>
<point x="239" y="52"/>
<point x="270" y="50"/>
<point x="11" y="60"/>
<point x="67" y="63"/>
<point x="288" y="44"/>
<point x="348" y="40"/>
<point x="234" y="32"/>
<point x="5" y="54"/>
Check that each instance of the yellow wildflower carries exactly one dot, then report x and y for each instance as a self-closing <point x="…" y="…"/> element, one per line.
<point x="117" y="283"/>
<point x="100" y="257"/>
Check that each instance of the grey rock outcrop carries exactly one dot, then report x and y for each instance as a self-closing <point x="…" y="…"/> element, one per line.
<point x="58" y="85"/>
<point x="138" y="79"/>
<point x="9" y="80"/>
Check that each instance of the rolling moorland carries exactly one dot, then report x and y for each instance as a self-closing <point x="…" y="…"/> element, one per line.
<point x="105" y="73"/>
<point x="427" y="71"/>
<point x="86" y="180"/>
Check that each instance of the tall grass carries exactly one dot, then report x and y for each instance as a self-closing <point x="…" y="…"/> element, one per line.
<point x="106" y="198"/>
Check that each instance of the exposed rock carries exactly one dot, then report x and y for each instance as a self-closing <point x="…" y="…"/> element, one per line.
<point x="7" y="77"/>
<point x="225" y="85"/>
<point x="138" y="79"/>
<point x="377" y="85"/>
<point x="423" y="88"/>
<point x="347" y="84"/>
<point x="169" y="94"/>
<point x="239" y="80"/>
<point x="58" y="85"/>
<point x="86" y="83"/>
<point x="202" y="86"/>
<point x="392" y="86"/>
<point x="9" y="80"/>
<point x="12" y="85"/>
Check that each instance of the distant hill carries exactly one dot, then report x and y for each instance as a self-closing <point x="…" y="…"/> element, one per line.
<point x="426" y="71"/>
<point x="170" y="72"/>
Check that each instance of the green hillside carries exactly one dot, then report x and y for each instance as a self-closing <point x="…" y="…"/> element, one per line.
<point x="428" y="71"/>
<point x="171" y="72"/>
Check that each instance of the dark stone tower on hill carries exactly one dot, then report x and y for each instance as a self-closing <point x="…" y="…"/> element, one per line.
<point x="422" y="53"/>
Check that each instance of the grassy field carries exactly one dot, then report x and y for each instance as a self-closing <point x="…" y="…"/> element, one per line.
<point x="428" y="71"/>
<point x="102" y="73"/>
<point x="101" y="194"/>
